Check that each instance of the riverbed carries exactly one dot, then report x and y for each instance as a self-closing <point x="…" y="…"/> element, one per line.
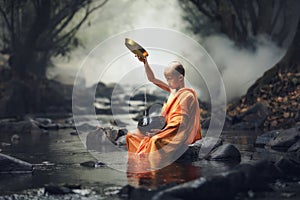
<point x="57" y="155"/>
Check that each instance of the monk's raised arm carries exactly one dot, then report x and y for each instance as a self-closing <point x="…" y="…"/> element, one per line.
<point x="151" y="77"/>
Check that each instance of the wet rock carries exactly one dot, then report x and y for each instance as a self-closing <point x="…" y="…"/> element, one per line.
<point x="258" y="174"/>
<point x="191" y="154"/>
<point x="61" y="189"/>
<point x="130" y="192"/>
<point x="103" y="90"/>
<point x="49" y="126"/>
<point x="200" y="149"/>
<point x="205" y="123"/>
<point x="98" y="141"/>
<point x="208" y="144"/>
<point x="110" y="191"/>
<point x="17" y="127"/>
<point x="295" y="147"/>
<point x="288" y="166"/>
<point x="10" y="164"/>
<point x="92" y="164"/>
<point x="5" y="144"/>
<point x="235" y="179"/>
<point x="15" y="139"/>
<point x="251" y="174"/>
<point x="118" y="123"/>
<point x="85" y="127"/>
<point x="285" y="139"/>
<point x="268" y="171"/>
<point x="74" y="133"/>
<point x="121" y="141"/>
<point x="114" y="134"/>
<point x="69" y="121"/>
<point x="44" y="121"/>
<point x="224" y="152"/>
<point x="265" y="138"/>
<point x="215" y="187"/>
<point x="103" y="111"/>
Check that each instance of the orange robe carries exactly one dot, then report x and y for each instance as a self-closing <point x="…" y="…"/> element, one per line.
<point x="182" y="117"/>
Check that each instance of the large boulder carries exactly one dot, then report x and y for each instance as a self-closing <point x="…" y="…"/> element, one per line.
<point x="10" y="164"/>
<point x="225" y="152"/>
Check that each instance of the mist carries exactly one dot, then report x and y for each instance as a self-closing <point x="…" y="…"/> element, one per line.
<point x="239" y="67"/>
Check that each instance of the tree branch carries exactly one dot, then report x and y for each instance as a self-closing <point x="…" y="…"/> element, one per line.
<point x="239" y="16"/>
<point x="198" y="4"/>
<point x="5" y="19"/>
<point x="76" y="28"/>
<point x="252" y="16"/>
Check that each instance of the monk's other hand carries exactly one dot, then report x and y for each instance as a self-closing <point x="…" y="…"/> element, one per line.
<point x="141" y="58"/>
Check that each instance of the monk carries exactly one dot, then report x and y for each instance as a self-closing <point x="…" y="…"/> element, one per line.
<point x="181" y="113"/>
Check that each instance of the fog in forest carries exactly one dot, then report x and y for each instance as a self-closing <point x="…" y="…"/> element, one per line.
<point x="239" y="67"/>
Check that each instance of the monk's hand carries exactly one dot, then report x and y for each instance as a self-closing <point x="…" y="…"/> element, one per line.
<point x="153" y="132"/>
<point x="142" y="59"/>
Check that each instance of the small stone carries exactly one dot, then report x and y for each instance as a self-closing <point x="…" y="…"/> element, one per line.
<point x="251" y="194"/>
<point x="286" y="115"/>
<point x="92" y="164"/>
<point x="5" y="144"/>
<point x="15" y="139"/>
<point x="74" y="133"/>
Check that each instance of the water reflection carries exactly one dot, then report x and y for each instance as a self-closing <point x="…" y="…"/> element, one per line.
<point x="173" y="173"/>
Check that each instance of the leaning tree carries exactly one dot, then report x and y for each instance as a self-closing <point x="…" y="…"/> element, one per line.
<point x="35" y="30"/>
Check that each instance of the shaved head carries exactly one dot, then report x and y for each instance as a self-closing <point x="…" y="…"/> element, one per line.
<point x="176" y="67"/>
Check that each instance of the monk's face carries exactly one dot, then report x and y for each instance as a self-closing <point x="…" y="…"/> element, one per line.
<point x="173" y="78"/>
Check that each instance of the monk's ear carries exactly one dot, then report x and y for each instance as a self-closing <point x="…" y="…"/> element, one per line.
<point x="181" y="77"/>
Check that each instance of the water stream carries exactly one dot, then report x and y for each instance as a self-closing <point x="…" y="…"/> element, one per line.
<point x="57" y="155"/>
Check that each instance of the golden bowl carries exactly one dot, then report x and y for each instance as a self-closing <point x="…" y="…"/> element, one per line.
<point x="135" y="48"/>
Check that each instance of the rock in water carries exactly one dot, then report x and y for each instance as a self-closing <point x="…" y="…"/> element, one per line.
<point x="265" y="138"/>
<point x="285" y="139"/>
<point x="92" y="164"/>
<point x="226" y="152"/>
<point x="9" y="164"/>
<point x="295" y="147"/>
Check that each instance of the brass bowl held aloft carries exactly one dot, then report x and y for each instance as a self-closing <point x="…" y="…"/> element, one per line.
<point x="135" y="48"/>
